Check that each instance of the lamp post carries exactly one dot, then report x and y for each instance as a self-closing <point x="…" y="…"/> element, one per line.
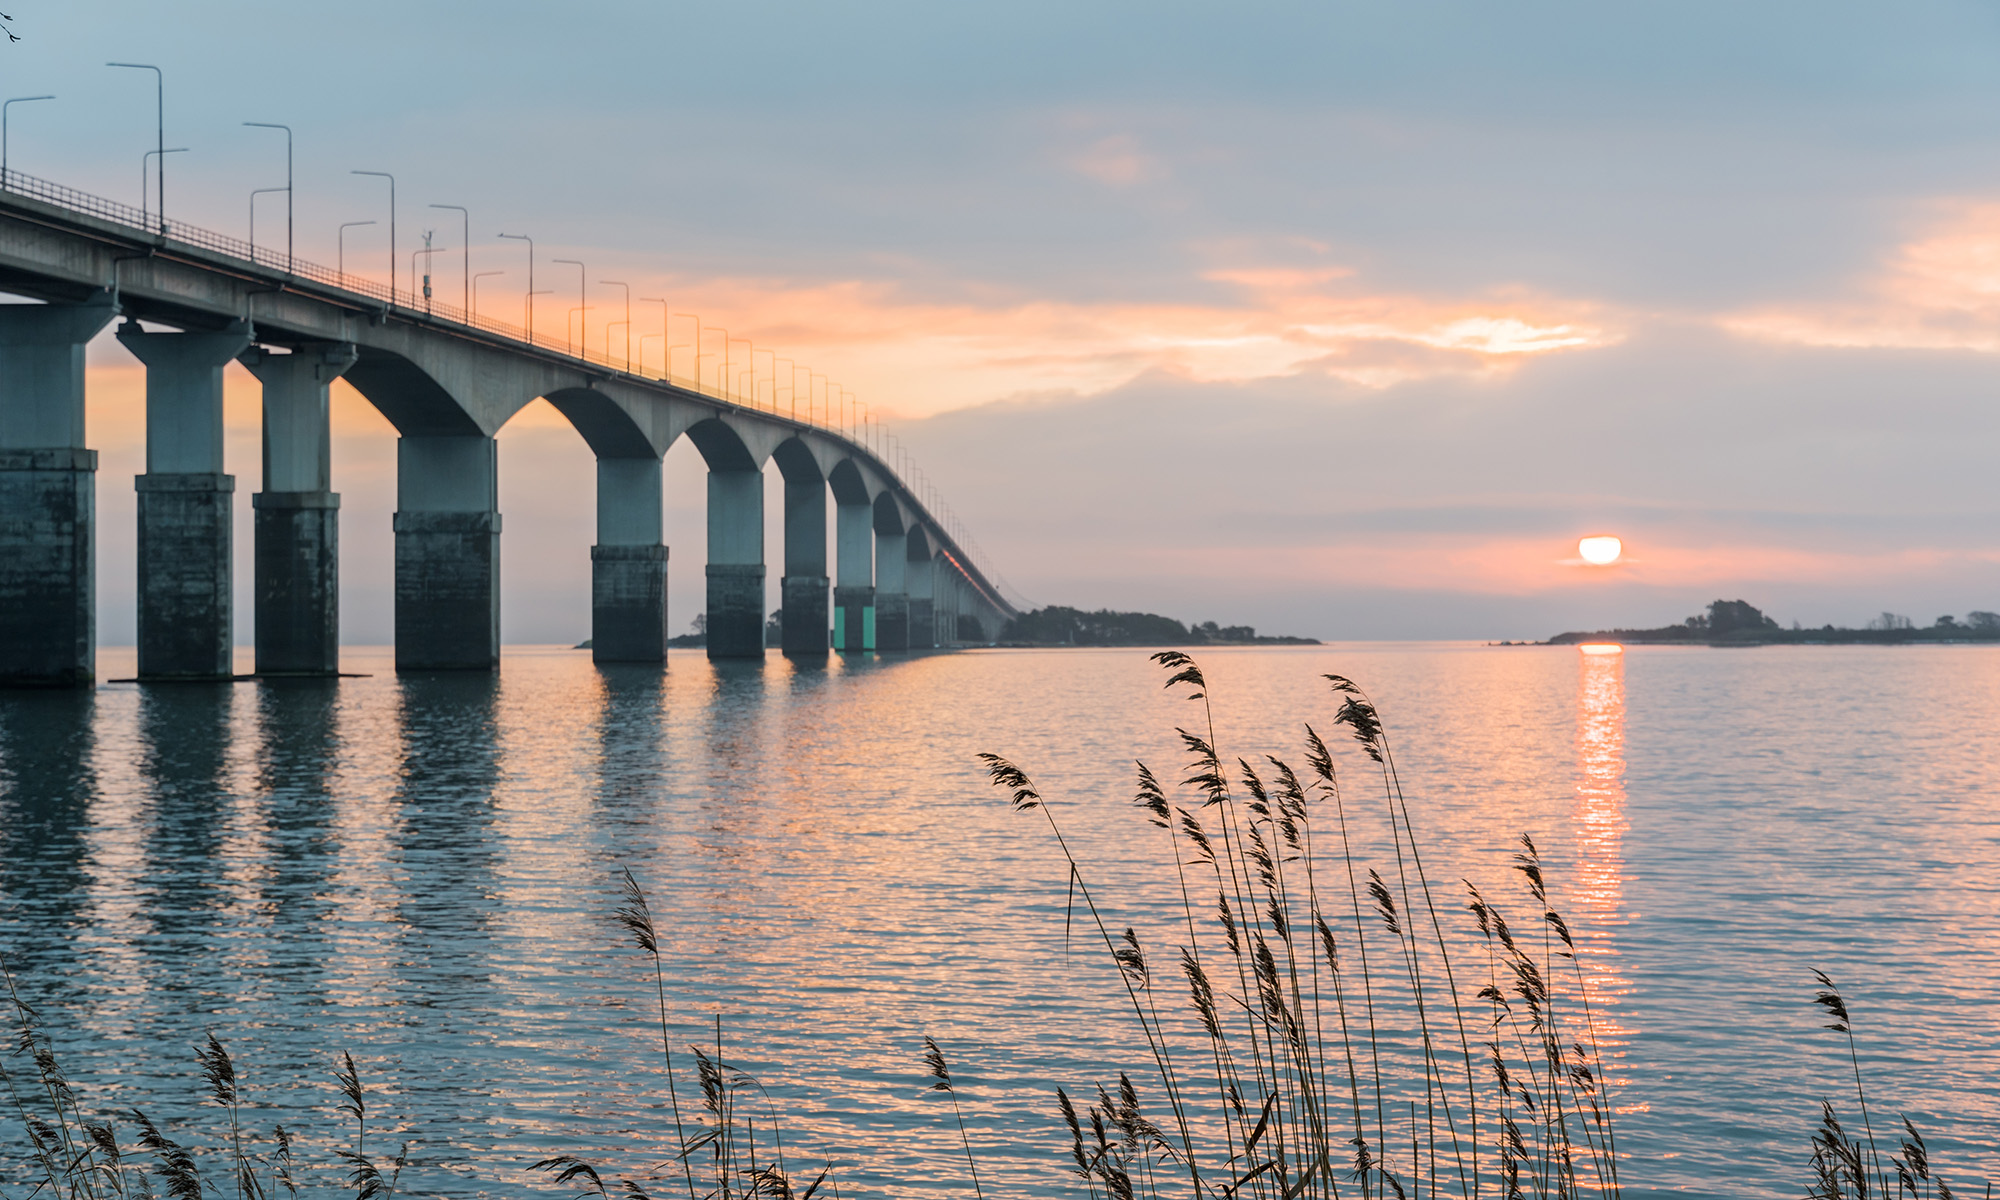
<point x="424" y="254"/>
<point x="473" y="300"/>
<point x="522" y="237"/>
<point x="392" y="226"/>
<point x="754" y="393"/>
<point x="666" y="338"/>
<point x="643" y="339"/>
<point x="3" y="130"/>
<point x="288" y="187"/>
<point x="722" y="376"/>
<point x="340" y="243"/>
<point x="254" y="193"/>
<point x="144" y="213"/>
<point x="160" y="121"/>
<point x="725" y="363"/>
<point x="582" y="299"/>
<point x="627" y="322"/>
<point x="465" y="268"/>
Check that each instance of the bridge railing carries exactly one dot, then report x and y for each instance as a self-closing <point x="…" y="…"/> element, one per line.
<point x="274" y="259"/>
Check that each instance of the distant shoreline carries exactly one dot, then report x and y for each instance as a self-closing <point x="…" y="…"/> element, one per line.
<point x="1738" y="623"/>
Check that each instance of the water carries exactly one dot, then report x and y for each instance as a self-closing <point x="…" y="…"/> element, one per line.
<point x="421" y="871"/>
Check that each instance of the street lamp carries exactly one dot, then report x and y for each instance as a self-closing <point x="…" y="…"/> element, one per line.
<point x="288" y="188"/>
<point x="160" y="119"/>
<point x="627" y="322"/>
<point x="424" y="253"/>
<point x="392" y="226"/>
<point x="754" y="393"/>
<point x="254" y="193"/>
<point x="3" y="130"/>
<point x="522" y="237"/>
<point x="666" y="338"/>
<point x="465" y="270"/>
<point x="643" y="339"/>
<point x="145" y="158"/>
<point x="582" y="299"/>
<point x="340" y="242"/>
<point x="473" y="311"/>
<point x="721" y="378"/>
<point x="725" y="364"/>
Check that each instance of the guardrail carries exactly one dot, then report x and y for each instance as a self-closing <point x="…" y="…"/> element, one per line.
<point x="870" y="435"/>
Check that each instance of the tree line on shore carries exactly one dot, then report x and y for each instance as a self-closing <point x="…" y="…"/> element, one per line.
<point x="1737" y="622"/>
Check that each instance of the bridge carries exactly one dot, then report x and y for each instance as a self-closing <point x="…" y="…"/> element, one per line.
<point x="447" y="380"/>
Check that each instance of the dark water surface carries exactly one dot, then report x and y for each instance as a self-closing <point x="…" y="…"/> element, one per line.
<point x="421" y="870"/>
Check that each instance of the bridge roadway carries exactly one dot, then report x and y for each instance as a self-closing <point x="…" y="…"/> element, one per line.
<point x="448" y="384"/>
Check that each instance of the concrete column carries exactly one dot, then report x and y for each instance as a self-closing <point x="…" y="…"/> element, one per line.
<point x="297" y="560"/>
<point x="447" y="553"/>
<point x="854" y="582"/>
<point x="185" y="572"/>
<point x="735" y="564"/>
<point x="805" y="582"/>
<point x="921" y="578"/>
<point x="947" y="604"/>
<point x="892" y="600"/>
<point x="48" y="496"/>
<point x="628" y="565"/>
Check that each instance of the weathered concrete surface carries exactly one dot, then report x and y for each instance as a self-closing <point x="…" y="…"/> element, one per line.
<point x="186" y="572"/>
<point x="48" y="496"/>
<point x="806" y="615"/>
<point x="628" y="604"/>
<point x="803" y="589"/>
<point x="735" y="564"/>
<point x="628" y="566"/>
<point x="854" y="578"/>
<point x="296" y="596"/>
<point x="296" y="593"/>
<point x="892" y="602"/>
<point x="447" y="554"/>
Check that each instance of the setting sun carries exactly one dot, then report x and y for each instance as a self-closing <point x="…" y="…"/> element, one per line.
<point x="1600" y="551"/>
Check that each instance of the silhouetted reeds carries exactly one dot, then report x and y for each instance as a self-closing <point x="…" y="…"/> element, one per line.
<point x="1848" y="1168"/>
<point x="1323" y="1040"/>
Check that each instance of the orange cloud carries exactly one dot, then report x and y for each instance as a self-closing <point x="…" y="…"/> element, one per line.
<point x="918" y="357"/>
<point x="1939" y="292"/>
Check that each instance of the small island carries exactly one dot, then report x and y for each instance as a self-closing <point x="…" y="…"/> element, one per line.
<point x="1739" y="623"/>
<point x="1057" y="625"/>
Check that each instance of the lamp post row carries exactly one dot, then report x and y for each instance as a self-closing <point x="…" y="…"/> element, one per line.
<point x="855" y="418"/>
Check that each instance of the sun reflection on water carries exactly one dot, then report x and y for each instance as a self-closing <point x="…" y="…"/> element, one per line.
<point x="1599" y="824"/>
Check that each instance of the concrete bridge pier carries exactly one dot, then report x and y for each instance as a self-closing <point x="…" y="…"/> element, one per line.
<point x="297" y="558"/>
<point x="805" y="582"/>
<point x="185" y="572"/>
<point x="920" y="578"/>
<point x="892" y="600"/>
<point x="447" y="553"/>
<point x="628" y="565"/>
<point x="854" y="578"/>
<point x="735" y="563"/>
<point x="947" y="604"/>
<point x="48" y="496"/>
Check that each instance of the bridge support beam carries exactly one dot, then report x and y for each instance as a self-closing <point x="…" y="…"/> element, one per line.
<point x="947" y="604"/>
<point x="892" y="600"/>
<point x="628" y="566"/>
<point x="297" y="559"/>
<point x="805" y="582"/>
<point x="186" y="575"/>
<point x="735" y="564"/>
<point x="921" y="579"/>
<point x="447" y="553"/>
<point x="48" y="497"/>
<point x="854" y="581"/>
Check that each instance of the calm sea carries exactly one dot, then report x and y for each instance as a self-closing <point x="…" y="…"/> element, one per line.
<point x="422" y="871"/>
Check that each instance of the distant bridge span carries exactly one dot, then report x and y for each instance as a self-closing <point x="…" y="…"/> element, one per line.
<point x="448" y="383"/>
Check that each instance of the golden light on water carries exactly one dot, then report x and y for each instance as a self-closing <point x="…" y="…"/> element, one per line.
<point x="1599" y="820"/>
<point x="1600" y="551"/>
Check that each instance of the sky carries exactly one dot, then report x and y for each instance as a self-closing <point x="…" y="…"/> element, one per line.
<point x="1343" y="320"/>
